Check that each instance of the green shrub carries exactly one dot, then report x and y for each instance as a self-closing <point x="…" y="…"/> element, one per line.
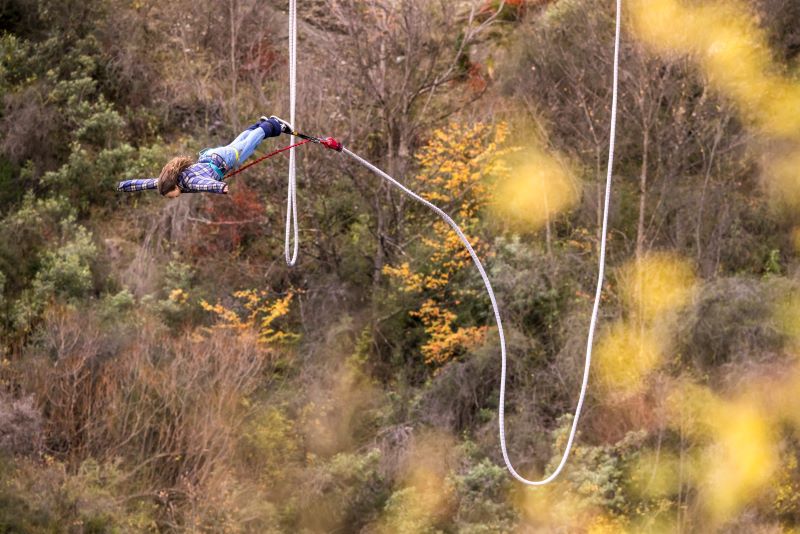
<point x="113" y="307"/>
<point x="44" y="255"/>
<point x="344" y="492"/>
<point x="66" y="271"/>
<point x="597" y="474"/>
<point x="268" y="445"/>
<point x="732" y="321"/>
<point x="90" y="177"/>
<point x="175" y="307"/>
<point x="44" y="497"/>
<point x="27" y="232"/>
<point x="2" y="296"/>
<point x="10" y="191"/>
<point x="483" y="506"/>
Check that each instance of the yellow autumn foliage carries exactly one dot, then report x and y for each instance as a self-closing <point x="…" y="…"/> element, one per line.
<point x="724" y="39"/>
<point x="656" y="284"/>
<point x="538" y="187"/>
<point x="261" y="314"/>
<point x="445" y="341"/>
<point x="453" y="170"/>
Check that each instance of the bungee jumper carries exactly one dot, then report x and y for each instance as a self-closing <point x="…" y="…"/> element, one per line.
<point x="208" y="173"/>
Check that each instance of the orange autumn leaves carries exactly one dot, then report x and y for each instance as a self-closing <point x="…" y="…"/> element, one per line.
<point x="260" y="315"/>
<point x="453" y="166"/>
<point x="466" y="170"/>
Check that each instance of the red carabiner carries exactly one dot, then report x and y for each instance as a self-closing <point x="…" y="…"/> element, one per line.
<point x="332" y="143"/>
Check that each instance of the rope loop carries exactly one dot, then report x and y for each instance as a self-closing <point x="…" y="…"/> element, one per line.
<point x="291" y="223"/>
<point x="595" y="309"/>
<point x="291" y="197"/>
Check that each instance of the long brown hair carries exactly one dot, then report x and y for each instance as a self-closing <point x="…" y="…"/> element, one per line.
<point x="168" y="179"/>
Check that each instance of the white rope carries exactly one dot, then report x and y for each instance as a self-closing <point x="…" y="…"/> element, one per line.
<point x="291" y="197"/>
<point x="490" y="291"/>
<point x="292" y="226"/>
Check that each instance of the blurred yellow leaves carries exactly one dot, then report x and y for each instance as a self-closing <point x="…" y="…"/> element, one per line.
<point x="742" y="460"/>
<point x="732" y="50"/>
<point x="731" y="445"/>
<point x="723" y="37"/>
<point x="737" y="453"/>
<point x="787" y="315"/>
<point x="658" y="475"/>
<point x="626" y="355"/>
<point x="538" y="188"/>
<point x="656" y="284"/>
<point x="651" y="288"/>
<point x="733" y="452"/>
<point x="783" y="184"/>
<point x="426" y="494"/>
<point x="338" y="408"/>
<point x="550" y="507"/>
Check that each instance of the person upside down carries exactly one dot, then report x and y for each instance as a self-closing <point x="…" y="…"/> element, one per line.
<point x="181" y="175"/>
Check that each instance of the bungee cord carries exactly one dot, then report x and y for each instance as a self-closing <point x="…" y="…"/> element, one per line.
<point x="267" y="156"/>
<point x="331" y="143"/>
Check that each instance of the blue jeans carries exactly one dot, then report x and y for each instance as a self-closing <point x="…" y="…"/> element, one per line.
<point x="239" y="150"/>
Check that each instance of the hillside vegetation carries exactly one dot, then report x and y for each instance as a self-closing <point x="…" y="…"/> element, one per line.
<point x="163" y="370"/>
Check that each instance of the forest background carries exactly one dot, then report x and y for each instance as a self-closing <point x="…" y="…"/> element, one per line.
<point x="162" y="370"/>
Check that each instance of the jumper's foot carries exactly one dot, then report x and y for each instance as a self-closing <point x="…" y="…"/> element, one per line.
<point x="285" y="126"/>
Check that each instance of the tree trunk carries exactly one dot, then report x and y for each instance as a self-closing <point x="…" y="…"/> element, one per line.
<point x="547" y="231"/>
<point x="640" y="230"/>
<point x="379" y="259"/>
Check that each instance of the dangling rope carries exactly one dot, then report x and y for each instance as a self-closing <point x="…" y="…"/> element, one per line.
<point x="600" y="278"/>
<point x="291" y="197"/>
<point x="335" y="145"/>
<point x="490" y="291"/>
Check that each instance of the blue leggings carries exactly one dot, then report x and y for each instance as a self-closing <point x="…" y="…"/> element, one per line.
<point x="240" y="149"/>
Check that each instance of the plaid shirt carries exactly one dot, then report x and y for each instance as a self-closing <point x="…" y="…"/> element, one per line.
<point x="205" y="176"/>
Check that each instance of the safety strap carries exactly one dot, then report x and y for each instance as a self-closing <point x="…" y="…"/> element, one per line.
<point x="216" y="169"/>
<point x="267" y="156"/>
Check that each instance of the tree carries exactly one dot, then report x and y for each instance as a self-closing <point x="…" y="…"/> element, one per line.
<point x="454" y="166"/>
<point x="673" y="134"/>
<point x="393" y="61"/>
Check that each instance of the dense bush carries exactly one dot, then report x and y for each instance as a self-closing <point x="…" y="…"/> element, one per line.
<point x="20" y="426"/>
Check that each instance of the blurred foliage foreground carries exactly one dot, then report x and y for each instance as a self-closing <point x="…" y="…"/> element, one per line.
<point x="161" y="370"/>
